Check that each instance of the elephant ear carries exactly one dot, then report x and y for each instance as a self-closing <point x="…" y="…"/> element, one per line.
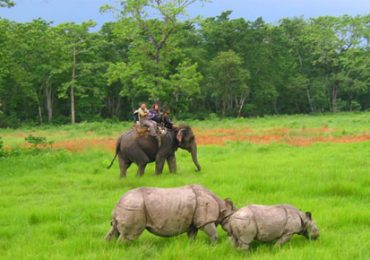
<point x="180" y="136"/>
<point x="182" y="133"/>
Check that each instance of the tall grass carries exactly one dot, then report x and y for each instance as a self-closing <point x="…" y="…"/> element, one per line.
<point x="57" y="204"/>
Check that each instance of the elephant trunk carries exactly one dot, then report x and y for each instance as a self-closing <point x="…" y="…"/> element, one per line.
<point x="194" y="156"/>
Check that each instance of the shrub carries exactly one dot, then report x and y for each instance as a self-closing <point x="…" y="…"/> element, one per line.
<point x="37" y="141"/>
<point x="2" y="151"/>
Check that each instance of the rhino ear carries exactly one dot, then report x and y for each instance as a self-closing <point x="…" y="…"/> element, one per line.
<point x="309" y="215"/>
<point x="229" y="204"/>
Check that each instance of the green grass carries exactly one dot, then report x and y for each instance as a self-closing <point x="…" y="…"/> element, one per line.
<point x="57" y="204"/>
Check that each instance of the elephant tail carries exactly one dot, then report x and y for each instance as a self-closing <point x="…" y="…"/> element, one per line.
<point x="115" y="156"/>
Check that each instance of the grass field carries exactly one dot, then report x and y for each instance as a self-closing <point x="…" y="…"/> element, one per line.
<point x="57" y="203"/>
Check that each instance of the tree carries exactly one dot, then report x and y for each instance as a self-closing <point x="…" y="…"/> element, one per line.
<point x="7" y="3"/>
<point x="75" y="44"/>
<point x="229" y="82"/>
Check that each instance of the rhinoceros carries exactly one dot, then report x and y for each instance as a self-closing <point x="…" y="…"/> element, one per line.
<point x="168" y="212"/>
<point x="268" y="223"/>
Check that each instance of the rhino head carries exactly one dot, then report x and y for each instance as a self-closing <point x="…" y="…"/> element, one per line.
<point x="227" y="210"/>
<point x="310" y="230"/>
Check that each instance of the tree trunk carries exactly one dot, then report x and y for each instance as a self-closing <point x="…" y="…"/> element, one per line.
<point x="49" y="101"/>
<point x="223" y="107"/>
<point x="274" y="106"/>
<point x="72" y="91"/>
<point x="118" y="107"/>
<point x="241" y="105"/>
<point x="309" y="99"/>
<point x="40" y="113"/>
<point x="334" y="97"/>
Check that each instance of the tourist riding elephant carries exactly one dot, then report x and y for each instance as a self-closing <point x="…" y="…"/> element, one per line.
<point x="168" y="212"/>
<point x="142" y="148"/>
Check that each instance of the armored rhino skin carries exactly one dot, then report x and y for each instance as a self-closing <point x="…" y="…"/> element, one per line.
<point x="268" y="223"/>
<point x="168" y="212"/>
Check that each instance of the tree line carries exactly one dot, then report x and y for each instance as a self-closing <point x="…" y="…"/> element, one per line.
<point x="197" y="67"/>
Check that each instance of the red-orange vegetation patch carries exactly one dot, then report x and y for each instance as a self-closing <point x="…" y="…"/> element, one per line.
<point x="84" y="144"/>
<point x="221" y="136"/>
<point x="296" y="136"/>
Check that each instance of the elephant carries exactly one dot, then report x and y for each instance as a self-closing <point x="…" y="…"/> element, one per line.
<point x="141" y="148"/>
<point x="168" y="212"/>
<point x="268" y="223"/>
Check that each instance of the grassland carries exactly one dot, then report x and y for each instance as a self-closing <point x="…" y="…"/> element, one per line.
<point x="56" y="204"/>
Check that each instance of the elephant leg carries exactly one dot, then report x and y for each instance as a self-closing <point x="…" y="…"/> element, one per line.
<point x="123" y="165"/>
<point x="192" y="233"/>
<point x="211" y="231"/>
<point x="142" y="161"/>
<point x="171" y="161"/>
<point x="141" y="169"/>
<point x="159" y="164"/>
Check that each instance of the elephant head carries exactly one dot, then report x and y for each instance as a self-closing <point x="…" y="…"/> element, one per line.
<point x="186" y="140"/>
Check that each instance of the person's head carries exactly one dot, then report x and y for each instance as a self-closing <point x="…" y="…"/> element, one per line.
<point x="167" y="112"/>
<point x="143" y="105"/>
<point x="155" y="106"/>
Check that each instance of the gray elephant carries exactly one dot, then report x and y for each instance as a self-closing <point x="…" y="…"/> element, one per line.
<point x="142" y="148"/>
<point x="268" y="223"/>
<point x="168" y="212"/>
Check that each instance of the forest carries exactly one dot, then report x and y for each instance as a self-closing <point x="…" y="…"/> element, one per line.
<point x="198" y="67"/>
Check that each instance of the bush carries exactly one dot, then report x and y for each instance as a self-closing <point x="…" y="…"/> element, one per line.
<point x="355" y="106"/>
<point x="2" y="151"/>
<point x="37" y="141"/>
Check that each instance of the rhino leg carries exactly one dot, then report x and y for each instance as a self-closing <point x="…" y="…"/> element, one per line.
<point x="243" y="232"/>
<point x="192" y="233"/>
<point x="113" y="232"/>
<point x="283" y="239"/>
<point x="211" y="231"/>
<point x="242" y="245"/>
<point x="130" y="232"/>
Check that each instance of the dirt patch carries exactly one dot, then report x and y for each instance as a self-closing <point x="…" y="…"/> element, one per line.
<point x="292" y="136"/>
<point x="220" y="136"/>
<point x="85" y="144"/>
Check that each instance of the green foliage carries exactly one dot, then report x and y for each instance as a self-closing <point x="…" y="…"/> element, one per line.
<point x="37" y="141"/>
<point x="7" y="3"/>
<point x="153" y="52"/>
<point x="2" y="151"/>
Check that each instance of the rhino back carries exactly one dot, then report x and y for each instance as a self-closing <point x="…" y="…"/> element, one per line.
<point x="270" y="220"/>
<point x="169" y="211"/>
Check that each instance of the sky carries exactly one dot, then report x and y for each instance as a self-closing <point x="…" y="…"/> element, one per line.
<point x="59" y="11"/>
